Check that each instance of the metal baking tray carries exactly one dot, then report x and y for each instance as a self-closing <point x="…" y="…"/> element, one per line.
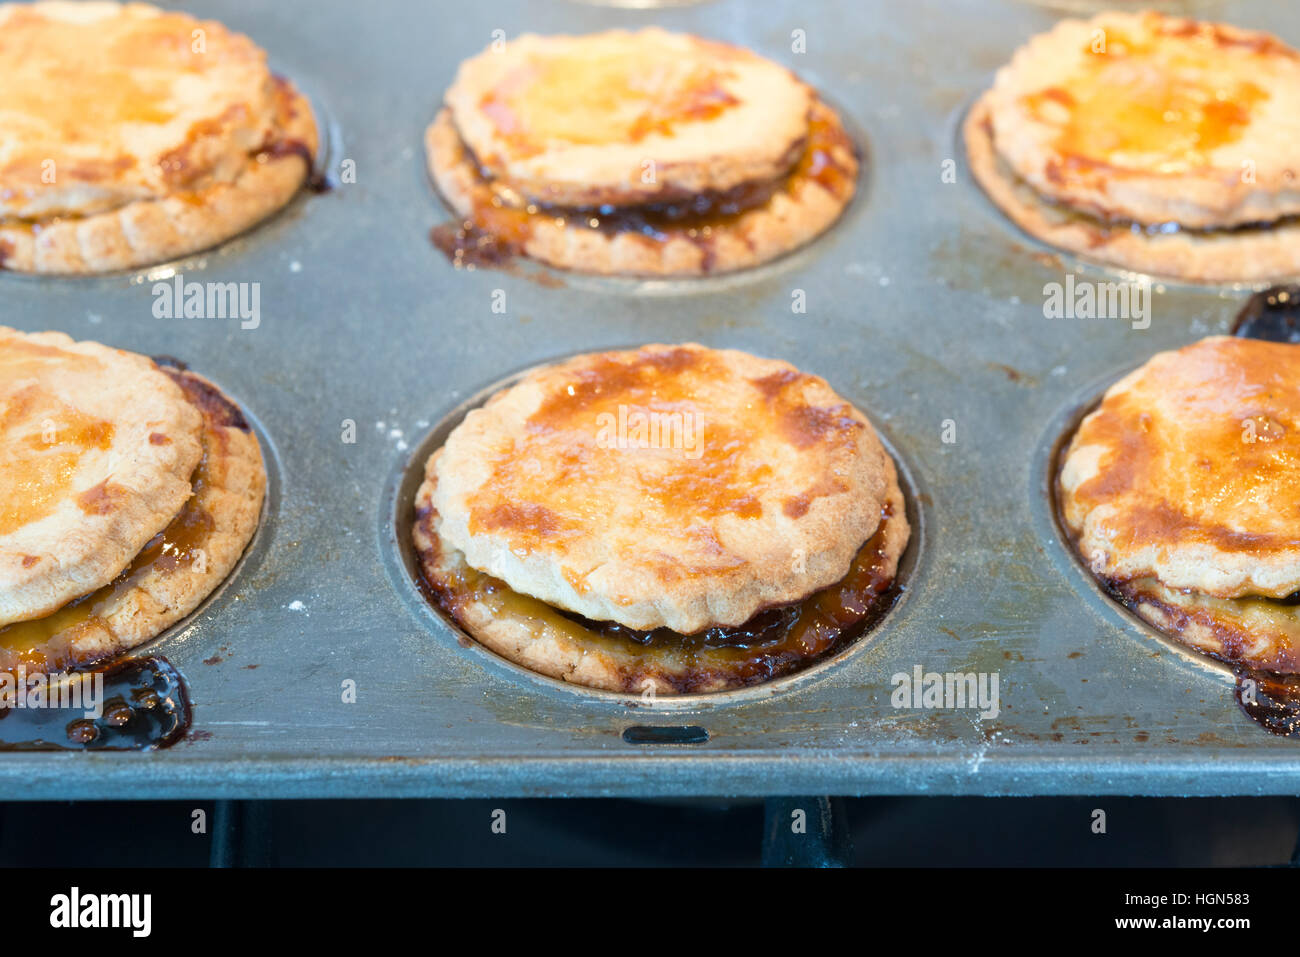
<point x="924" y="305"/>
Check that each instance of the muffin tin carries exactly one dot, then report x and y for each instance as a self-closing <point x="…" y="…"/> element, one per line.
<point x="923" y="305"/>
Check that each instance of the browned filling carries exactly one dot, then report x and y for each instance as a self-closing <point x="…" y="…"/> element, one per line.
<point x="501" y="222"/>
<point x="218" y="411"/>
<point x="1273" y="701"/>
<point x="774" y="642"/>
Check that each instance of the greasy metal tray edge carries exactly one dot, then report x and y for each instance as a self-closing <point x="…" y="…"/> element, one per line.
<point x="924" y="306"/>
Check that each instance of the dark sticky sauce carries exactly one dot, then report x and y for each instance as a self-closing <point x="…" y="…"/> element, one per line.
<point x="145" y="707"/>
<point x="495" y="236"/>
<point x="203" y="395"/>
<point x="1272" y="701"/>
<point x="1272" y="315"/>
<point x="468" y="246"/>
<point x="316" y="181"/>
<point x="775" y="642"/>
<point x="658" y="221"/>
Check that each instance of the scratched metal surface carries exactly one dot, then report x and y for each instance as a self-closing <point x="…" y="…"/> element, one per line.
<point x="923" y="305"/>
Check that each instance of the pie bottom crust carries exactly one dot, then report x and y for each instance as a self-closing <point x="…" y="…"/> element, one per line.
<point x="793" y="216"/>
<point x="534" y="635"/>
<point x="1246" y="254"/>
<point x="1255" y="632"/>
<point x="153" y="231"/>
<point x="193" y="556"/>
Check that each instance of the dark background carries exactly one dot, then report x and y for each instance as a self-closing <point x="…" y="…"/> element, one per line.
<point x="883" y="832"/>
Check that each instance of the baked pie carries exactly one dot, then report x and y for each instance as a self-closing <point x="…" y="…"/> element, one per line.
<point x="130" y="136"/>
<point x="129" y="489"/>
<point x="1182" y="491"/>
<point x="674" y="518"/>
<point x="1154" y="143"/>
<point x="646" y="153"/>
